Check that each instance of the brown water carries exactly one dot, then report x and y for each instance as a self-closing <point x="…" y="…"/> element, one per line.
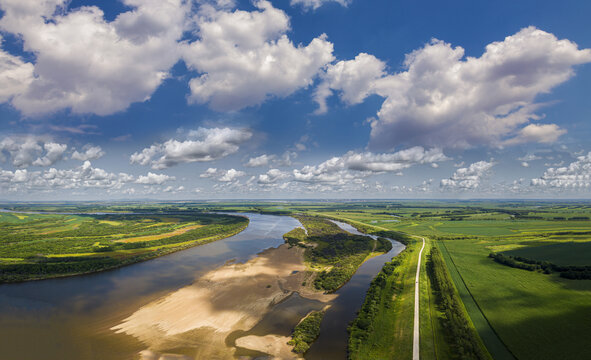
<point x="70" y="318"/>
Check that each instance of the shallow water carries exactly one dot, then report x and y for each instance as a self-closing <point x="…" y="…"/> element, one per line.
<point x="70" y="318"/>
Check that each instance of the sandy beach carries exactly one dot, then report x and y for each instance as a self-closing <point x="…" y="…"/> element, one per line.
<point x="233" y="297"/>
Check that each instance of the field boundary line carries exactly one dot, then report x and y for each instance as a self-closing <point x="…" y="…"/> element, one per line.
<point x="476" y="302"/>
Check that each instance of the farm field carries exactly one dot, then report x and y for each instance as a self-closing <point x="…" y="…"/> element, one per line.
<point x="37" y="246"/>
<point x="519" y="313"/>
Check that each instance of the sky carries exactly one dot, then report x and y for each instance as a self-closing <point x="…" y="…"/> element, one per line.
<point x="294" y="99"/>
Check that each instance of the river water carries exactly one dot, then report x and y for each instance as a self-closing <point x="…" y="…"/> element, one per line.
<point x="332" y="342"/>
<point x="70" y="318"/>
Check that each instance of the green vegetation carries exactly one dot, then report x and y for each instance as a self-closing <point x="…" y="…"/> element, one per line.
<point x="336" y="252"/>
<point x="37" y="246"/>
<point x="569" y="271"/>
<point x="563" y="253"/>
<point x="366" y="331"/>
<point x="460" y="332"/>
<point x="306" y="332"/>
<point x="539" y="314"/>
<point x="526" y="313"/>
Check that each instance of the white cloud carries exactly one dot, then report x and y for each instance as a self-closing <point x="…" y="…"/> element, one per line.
<point x="263" y="160"/>
<point x="173" y="190"/>
<point x="203" y="144"/>
<point x="525" y="164"/>
<point x="529" y="157"/>
<point x="575" y="176"/>
<point x="223" y="175"/>
<point x="272" y="176"/>
<point x="15" y="75"/>
<point x="154" y="179"/>
<point x="287" y="158"/>
<point x="353" y="165"/>
<point x="53" y="153"/>
<point x="86" y="63"/>
<point x="468" y="178"/>
<point x="446" y="100"/>
<point x="30" y="150"/>
<point x="547" y="133"/>
<point x="82" y="177"/>
<point x="394" y="161"/>
<point x="315" y="4"/>
<point x="355" y="79"/>
<point x="245" y="57"/>
<point x="89" y="153"/>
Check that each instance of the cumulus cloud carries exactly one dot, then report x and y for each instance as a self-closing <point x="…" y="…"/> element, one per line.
<point x="88" y="64"/>
<point x="575" y="176"/>
<point x="355" y="79"/>
<point x="242" y="57"/>
<point x="353" y="165"/>
<point x="30" y="150"/>
<point x="89" y="152"/>
<point x="245" y="57"/>
<point x="444" y="99"/>
<point x="153" y="179"/>
<point x="315" y="4"/>
<point x="15" y="75"/>
<point x="223" y="175"/>
<point x="173" y="190"/>
<point x="547" y="133"/>
<point x="394" y="161"/>
<point x="53" y="153"/>
<point x="263" y="160"/>
<point x="468" y="178"/>
<point x="272" y="176"/>
<point x="203" y="144"/>
<point x="82" y="177"/>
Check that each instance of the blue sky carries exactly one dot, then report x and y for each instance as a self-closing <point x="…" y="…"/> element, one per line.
<point x="294" y="99"/>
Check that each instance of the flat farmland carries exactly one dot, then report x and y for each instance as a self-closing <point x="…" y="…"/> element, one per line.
<point x="36" y="246"/>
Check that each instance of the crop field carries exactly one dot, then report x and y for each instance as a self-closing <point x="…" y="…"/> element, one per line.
<point x="34" y="246"/>
<point x="518" y="313"/>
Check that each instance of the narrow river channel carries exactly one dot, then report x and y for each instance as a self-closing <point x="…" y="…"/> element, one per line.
<point x="332" y="342"/>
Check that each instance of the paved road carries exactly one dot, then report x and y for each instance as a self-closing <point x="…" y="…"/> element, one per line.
<point x="415" y="340"/>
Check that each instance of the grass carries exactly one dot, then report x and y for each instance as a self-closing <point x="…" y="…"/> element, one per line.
<point x="565" y="253"/>
<point x="159" y="236"/>
<point x="390" y="332"/>
<point x="50" y="245"/>
<point x="537" y="316"/>
<point x="530" y="315"/>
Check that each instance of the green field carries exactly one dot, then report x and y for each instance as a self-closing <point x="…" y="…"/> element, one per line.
<point x="518" y="313"/>
<point x="36" y="246"/>
<point x="564" y="253"/>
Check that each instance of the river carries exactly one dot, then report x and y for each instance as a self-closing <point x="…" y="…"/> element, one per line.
<point x="71" y="318"/>
<point x="332" y="342"/>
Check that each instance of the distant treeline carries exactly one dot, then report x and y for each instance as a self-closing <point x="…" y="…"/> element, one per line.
<point x="460" y="335"/>
<point x="569" y="272"/>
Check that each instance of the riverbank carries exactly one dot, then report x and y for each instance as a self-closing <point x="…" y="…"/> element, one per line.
<point x="231" y="298"/>
<point x="42" y="246"/>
